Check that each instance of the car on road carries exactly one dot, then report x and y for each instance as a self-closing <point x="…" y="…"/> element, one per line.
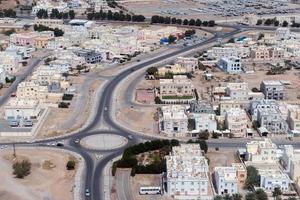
<point x="130" y="137"/>
<point x="60" y="144"/>
<point x="105" y="108"/>
<point x="77" y="141"/>
<point x="87" y="193"/>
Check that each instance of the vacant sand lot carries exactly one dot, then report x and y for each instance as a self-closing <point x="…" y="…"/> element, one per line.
<point x="49" y="179"/>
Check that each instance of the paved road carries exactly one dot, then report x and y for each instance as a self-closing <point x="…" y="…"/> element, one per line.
<point x="20" y="78"/>
<point x="122" y="184"/>
<point x="103" y="113"/>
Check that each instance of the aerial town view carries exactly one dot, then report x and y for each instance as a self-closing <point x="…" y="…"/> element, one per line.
<point x="150" y="99"/>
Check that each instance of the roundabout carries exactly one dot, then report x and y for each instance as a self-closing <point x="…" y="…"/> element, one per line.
<point x="103" y="142"/>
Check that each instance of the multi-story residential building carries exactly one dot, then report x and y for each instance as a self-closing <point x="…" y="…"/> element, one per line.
<point x="272" y="120"/>
<point x="263" y="151"/>
<point x="180" y="89"/>
<point x="9" y="61"/>
<point x="225" y="106"/>
<point x="293" y="118"/>
<point x="204" y="116"/>
<point x="3" y="75"/>
<point x="264" y="103"/>
<point x="290" y="161"/>
<point x="231" y="65"/>
<point x="237" y="91"/>
<point x="29" y="90"/>
<point x="89" y="56"/>
<point x="173" y="69"/>
<point x="236" y="121"/>
<point x="241" y="173"/>
<point x="189" y="63"/>
<point x="271" y="179"/>
<point x="46" y="75"/>
<point x="41" y="42"/>
<point x="187" y="173"/>
<point x="266" y="53"/>
<point x="260" y="53"/>
<point x="21" y="112"/>
<point x="48" y="6"/>
<point x="226" y="180"/>
<point x="61" y="65"/>
<point x="282" y="33"/>
<point x="173" y="120"/>
<point x="52" y="23"/>
<point x="272" y="90"/>
<point x="23" y="39"/>
<point x="222" y="52"/>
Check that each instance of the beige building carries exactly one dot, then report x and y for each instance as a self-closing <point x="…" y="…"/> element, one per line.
<point x="41" y="42"/>
<point x="236" y="121"/>
<point x="52" y="23"/>
<point x="266" y="53"/>
<point x="29" y="90"/>
<point x="264" y="151"/>
<point x="179" y="88"/>
<point x="228" y="105"/>
<point x="189" y="63"/>
<point x="293" y="118"/>
<point x="174" y="69"/>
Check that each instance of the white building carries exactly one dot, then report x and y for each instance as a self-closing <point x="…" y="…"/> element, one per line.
<point x="236" y="121"/>
<point x="272" y="89"/>
<point x="173" y="120"/>
<point x="282" y="33"/>
<point x="9" y="61"/>
<point x="271" y="179"/>
<point x="226" y="180"/>
<point x="3" y="75"/>
<point x="293" y="118"/>
<point x="187" y="173"/>
<point x="231" y="65"/>
<point x="20" y="112"/>
<point x="222" y="52"/>
<point x="204" y="116"/>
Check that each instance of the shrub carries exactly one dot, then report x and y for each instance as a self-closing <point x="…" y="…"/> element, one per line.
<point x="71" y="165"/>
<point x="22" y="169"/>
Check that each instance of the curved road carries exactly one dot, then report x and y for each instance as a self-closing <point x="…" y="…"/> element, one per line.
<point x="94" y="169"/>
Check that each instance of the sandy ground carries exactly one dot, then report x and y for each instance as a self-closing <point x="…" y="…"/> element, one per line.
<point x="51" y="182"/>
<point x="223" y="157"/>
<point x="53" y="125"/>
<point x="145" y="118"/>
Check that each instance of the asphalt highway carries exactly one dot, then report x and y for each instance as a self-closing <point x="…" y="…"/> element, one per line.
<point x="93" y="179"/>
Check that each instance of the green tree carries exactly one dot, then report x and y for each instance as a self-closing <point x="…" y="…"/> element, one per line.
<point x="172" y="39"/>
<point x="21" y="169"/>
<point x="277" y="192"/>
<point x="192" y="22"/>
<point x="218" y="197"/>
<point x="152" y="70"/>
<point x="285" y="24"/>
<point x="261" y="194"/>
<point x="185" y="22"/>
<point x="191" y="124"/>
<point x="71" y="14"/>
<point x="203" y="145"/>
<point x="9" y="32"/>
<point x="204" y="135"/>
<point x="276" y="23"/>
<point x="71" y="165"/>
<point x="237" y="197"/>
<point x="250" y="196"/>
<point x="259" y="22"/>
<point x="253" y="178"/>
<point x="198" y="22"/>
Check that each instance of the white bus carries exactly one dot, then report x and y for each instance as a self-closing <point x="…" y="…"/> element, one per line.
<point x="150" y="190"/>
